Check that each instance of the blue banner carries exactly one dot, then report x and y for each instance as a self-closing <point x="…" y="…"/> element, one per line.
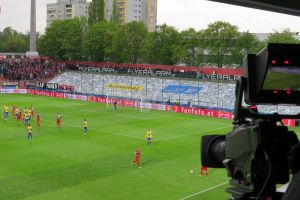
<point x="181" y="89"/>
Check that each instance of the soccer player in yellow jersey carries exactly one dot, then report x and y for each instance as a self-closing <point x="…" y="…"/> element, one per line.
<point x="5" y="112"/>
<point x="148" y="136"/>
<point x="29" y="131"/>
<point x="85" y="126"/>
<point x="29" y="114"/>
<point x="26" y="119"/>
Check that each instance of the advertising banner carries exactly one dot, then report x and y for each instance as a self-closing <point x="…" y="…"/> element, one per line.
<point x="76" y="97"/>
<point x="52" y="86"/>
<point x="117" y="86"/>
<point x="152" y="106"/>
<point x="289" y="122"/>
<point x="202" y="112"/>
<point x="13" y="91"/>
<point x="181" y="89"/>
<point x="47" y="93"/>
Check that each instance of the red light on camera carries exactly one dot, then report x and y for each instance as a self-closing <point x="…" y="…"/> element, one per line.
<point x="253" y="107"/>
<point x="273" y="62"/>
<point x="286" y="62"/>
<point x="275" y="92"/>
<point x="288" y="92"/>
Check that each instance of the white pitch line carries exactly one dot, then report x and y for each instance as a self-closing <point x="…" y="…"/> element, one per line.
<point x="206" y="190"/>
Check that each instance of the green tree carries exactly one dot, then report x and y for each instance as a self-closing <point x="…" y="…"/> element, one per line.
<point x="96" y="12"/>
<point x="116" y="16"/>
<point x="160" y="46"/>
<point x="135" y="34"/>
<point x="283" y="36"/>
<point x="124" y="43"/>
<point x="94" y="42"/>
<point x="13" y="41"/>
<point x="220" y="38"/>
<point x="112" y="32"/>
<point x="246" y="43"/>
<point x="63" y="39"/>
<point x="189" y="49"/>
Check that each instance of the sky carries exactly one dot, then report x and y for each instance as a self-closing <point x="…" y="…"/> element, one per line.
<point x="181" y="14"/>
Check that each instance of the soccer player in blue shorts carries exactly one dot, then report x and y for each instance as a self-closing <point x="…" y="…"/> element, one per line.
<point x="29" y="129"/>
<point x="85" y="126"/>
<point x="148" y="136"/>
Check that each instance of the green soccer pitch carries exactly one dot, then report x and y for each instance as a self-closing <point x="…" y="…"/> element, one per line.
<point x="62" y="163"/>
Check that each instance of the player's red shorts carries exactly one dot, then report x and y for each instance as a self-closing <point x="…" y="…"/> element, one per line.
<point x="203" y="168"/>
<point x="58" y="122"/>
<point x="137" y="160"/>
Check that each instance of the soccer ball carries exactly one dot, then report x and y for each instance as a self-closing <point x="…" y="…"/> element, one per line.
<point x="191" y="171"/>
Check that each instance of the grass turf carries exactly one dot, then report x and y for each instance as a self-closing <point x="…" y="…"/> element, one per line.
<point x="62" y="163"/>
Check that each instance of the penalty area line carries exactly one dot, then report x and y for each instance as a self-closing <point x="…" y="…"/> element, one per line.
<point x="206" y="190"/>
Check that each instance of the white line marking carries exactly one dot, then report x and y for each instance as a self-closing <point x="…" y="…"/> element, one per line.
<point x="208" y="189"/>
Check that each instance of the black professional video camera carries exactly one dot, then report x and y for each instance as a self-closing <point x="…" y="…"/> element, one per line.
<point x="258" y="153"/>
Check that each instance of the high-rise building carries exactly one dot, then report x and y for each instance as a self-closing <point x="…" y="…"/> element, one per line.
<point x="129" y="10"/>
<point x="134" y="10"/>
<point x="67" y="9"/>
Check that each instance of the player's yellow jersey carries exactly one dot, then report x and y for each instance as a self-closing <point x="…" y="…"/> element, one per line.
<point x="29" y="128"/>
<point x="148" y="134"/>
<point x="6" y="108"/>
<point x="85" y="124"/>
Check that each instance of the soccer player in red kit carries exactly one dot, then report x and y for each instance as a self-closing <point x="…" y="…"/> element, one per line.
<point x="19" y="116"/>
<point x="58" y="120"/>
<point x="32" y="111"/>
<point x="137" y="157"/>
<point x="38" y="120"/>
<point x="203" y="169"/>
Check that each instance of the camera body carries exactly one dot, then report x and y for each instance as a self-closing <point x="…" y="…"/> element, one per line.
<point x="256" y="152"/>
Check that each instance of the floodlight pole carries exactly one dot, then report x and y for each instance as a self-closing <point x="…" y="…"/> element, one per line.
<point x="33" y="26"/>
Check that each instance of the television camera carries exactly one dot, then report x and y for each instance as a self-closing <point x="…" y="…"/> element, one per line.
<point x="260" y="152"/>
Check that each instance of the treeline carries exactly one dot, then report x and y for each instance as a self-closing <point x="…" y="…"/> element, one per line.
<point x="12" y="41"/>
<point x="219" y="44"/>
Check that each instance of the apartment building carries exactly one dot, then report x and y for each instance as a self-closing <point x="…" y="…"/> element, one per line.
<point x="67" y="9"/>
<point x="134" y="10"/>
<point x="130" y="10"/>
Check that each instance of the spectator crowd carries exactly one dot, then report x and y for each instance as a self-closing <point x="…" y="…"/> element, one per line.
<point x="23" y="69"/>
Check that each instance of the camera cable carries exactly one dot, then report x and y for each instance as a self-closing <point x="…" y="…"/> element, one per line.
<point x="268" y="177"/>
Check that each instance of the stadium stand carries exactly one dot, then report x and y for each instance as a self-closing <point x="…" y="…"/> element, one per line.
<point x="28" y="69"/>
<point x="210" y="94"/>
<point x="207" y="95"/>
